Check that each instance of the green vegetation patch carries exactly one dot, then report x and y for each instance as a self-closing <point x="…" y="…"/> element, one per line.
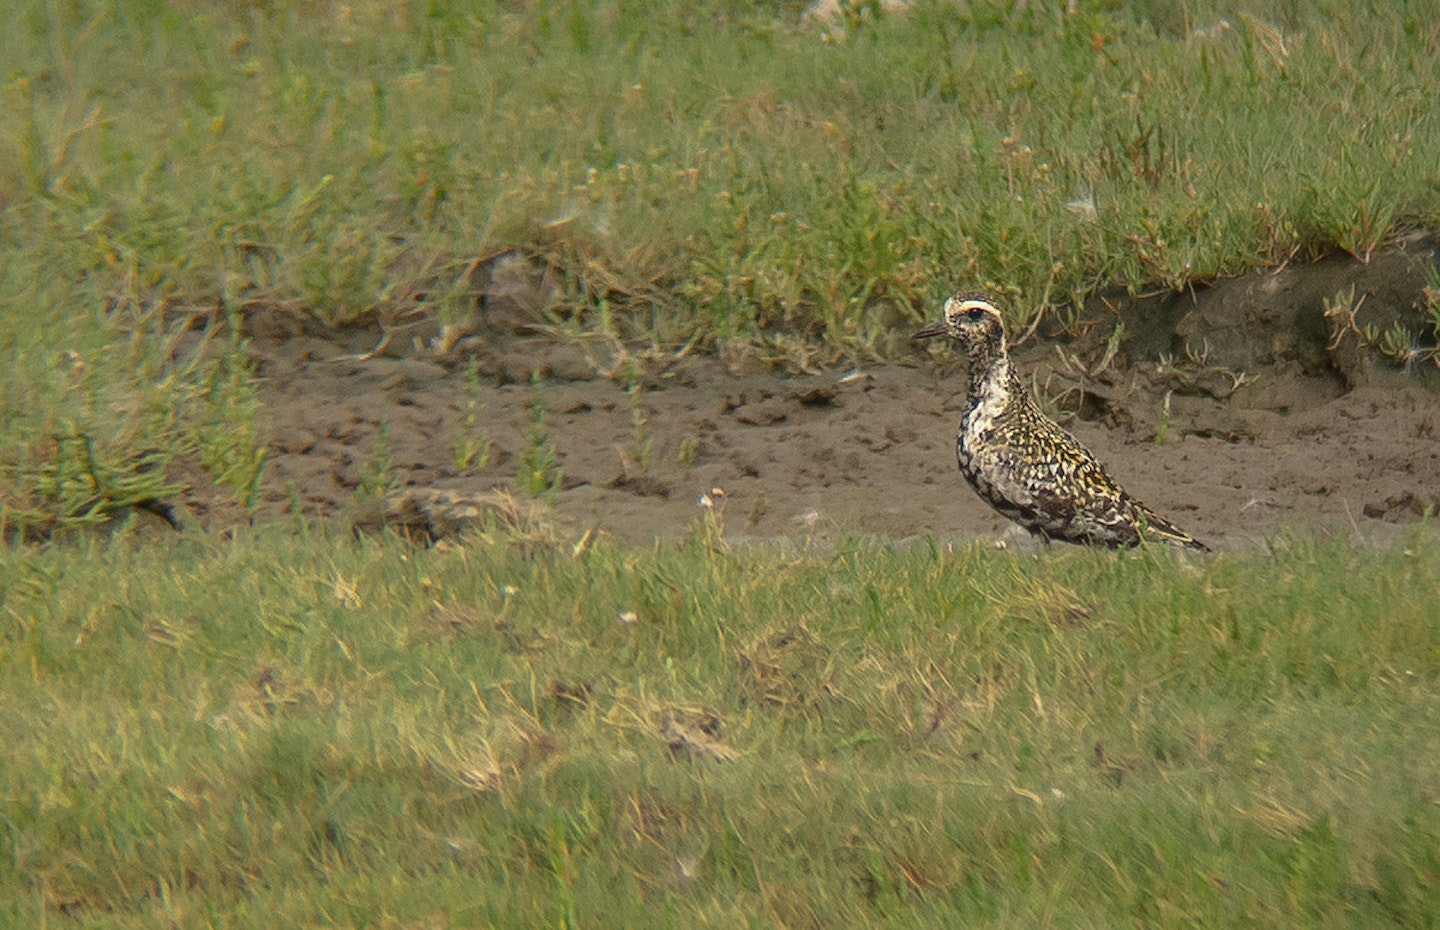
<point x="720" y="169"/>
<point x="284" y="730"/>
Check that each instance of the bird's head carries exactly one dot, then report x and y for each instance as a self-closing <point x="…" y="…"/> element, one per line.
<point x="971" y="320"/>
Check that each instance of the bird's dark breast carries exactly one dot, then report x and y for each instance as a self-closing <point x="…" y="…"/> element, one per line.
<point x="980" y="480"/>
<point x="1047" y="509"/>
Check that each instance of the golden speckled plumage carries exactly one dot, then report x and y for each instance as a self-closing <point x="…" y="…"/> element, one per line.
<point x="1023" y="463"/>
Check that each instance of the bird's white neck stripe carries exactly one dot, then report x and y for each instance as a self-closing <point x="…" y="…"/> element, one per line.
<point x="990" y="396"/>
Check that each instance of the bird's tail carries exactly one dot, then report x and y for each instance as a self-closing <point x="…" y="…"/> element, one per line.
<point x="1158" y="527"/>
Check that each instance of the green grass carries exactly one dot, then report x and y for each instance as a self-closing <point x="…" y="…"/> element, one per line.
<point x="716" y="170"/>
<point x="285" y="730"/>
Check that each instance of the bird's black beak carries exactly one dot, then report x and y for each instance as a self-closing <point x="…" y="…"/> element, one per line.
<point x="929" y="330"/>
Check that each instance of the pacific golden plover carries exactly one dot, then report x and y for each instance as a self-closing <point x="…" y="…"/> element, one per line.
<point x="1023" y="463"/>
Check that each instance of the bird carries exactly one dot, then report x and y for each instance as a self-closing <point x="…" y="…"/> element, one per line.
<point x="1023" y="463"/>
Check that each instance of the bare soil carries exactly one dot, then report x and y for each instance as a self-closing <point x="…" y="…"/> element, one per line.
<point x="1235" y="410"/>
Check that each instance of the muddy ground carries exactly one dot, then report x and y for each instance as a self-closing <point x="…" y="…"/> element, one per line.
<point x="1232" y="409"/>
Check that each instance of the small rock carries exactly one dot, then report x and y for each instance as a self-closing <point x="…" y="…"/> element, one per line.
<point x="764" y="413"/>
<point x="569" y="363"/>
<point x="821" y="395"/>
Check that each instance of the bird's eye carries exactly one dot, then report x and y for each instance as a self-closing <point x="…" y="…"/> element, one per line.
<point x="975" y="314"/>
